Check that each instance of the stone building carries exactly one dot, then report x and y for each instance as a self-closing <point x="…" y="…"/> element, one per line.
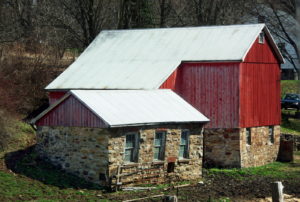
<point x="123" y="137"/>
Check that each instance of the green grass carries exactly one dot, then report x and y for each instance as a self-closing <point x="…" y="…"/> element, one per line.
<point x="15" y="187"/>
<point x="278" y="170"/>
<point x="290" y="86"/>
<point x="289" y="124"/>
<point x="35" y="179"/>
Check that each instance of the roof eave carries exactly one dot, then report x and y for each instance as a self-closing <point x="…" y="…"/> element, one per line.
<point x="157" y="123"/>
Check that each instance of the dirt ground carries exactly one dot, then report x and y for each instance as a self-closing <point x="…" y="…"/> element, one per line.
<point x="221" y="188"/>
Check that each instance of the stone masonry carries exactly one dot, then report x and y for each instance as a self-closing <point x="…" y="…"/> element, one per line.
<point x="228" y="147"/>
<point x="97" y="155"/>
<point x="80" y="151"/>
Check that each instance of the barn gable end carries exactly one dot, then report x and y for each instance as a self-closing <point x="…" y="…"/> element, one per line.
<point x="70" y="113"/>
<point x="262" y="53"/>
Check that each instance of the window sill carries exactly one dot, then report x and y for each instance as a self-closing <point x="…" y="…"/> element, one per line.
<point x="130" y="164"/>
<point x="158" y="162"/>
<point x="184" y="160"/>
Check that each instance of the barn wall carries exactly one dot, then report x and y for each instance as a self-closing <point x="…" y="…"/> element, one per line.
<point x="212" y="88"/>
<point x="71" y="112"/>
<point x="259" y="95"/>
<point x="55" y="96"/>
<point x="261" y="53"/>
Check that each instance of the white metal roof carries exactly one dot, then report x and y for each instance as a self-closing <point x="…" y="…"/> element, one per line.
<point x="145" y="58"/>
<point x="135" y="107"/>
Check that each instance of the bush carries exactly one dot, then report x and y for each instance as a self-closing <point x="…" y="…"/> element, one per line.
<point x="24" y="75"/>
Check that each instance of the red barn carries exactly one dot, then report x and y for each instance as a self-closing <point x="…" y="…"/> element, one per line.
<point x="229" y="73"/>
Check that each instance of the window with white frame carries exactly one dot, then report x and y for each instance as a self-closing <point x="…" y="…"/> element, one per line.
<point x="271" y="134"/>
<point x="261" y="38"/>
<point x="184" y="145"/>
<point x="159" y="145"/>
<point x="131" y="147"/>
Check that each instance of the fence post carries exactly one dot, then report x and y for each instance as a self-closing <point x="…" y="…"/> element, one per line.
<point x="277" y="192"/>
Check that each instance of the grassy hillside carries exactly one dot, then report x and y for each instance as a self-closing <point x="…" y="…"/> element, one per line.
<point x="289" y="123"/>
<point x="290" y="86"/>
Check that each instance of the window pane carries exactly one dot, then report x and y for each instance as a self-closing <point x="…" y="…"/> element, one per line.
<point x="181" y="151"/>
<point x="128" y="155"/>
<point x="159" y="142"/>
<point x="156" y="153"/>
<point x="184" y="144"/>
<point x="158" y="139"/>
<point x="183" y="138"/>
<point x="131" y="148"/>
<point x="130" y="140"/>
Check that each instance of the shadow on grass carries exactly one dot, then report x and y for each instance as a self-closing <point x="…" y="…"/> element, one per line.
<point x="27" y="162"/>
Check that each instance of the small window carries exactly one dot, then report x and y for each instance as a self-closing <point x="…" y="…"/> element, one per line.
<point x="131" y="147"/>
<point x="248" y="136"/>
<point x="184" y="145"/>
<point x="271" y="134"/>
<point x="261" y="38"/>
<point x="159" y="145"/>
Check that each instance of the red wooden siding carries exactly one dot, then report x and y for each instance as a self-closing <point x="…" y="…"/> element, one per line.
<point x="71" y="112"/>
<point x="212" y="88"/>
<point x="259" y="95"/>
<point x="55" y="96"/>
<point x="171" y="82"/>
<point x="261" y="53"/>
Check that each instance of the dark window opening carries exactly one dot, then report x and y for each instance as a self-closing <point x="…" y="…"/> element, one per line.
<point x="271" y="134"/>
<point x="248" y="136"/>
<point x="102" y="177"/>
<point x="171" y="167"/>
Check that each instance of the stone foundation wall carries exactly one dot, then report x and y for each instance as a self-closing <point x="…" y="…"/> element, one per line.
<point x="261" y="151"/>
<point x="228" y="147"/>
<point x="150" y="171"/>
<point x="97" y="154"/>
<point x="222" y="148"/>
<point x="80" y="151"/>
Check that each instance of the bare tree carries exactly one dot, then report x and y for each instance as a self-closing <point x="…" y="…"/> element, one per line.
<point x="79" y="21"/>
<point x="280" y="16"/>
<point x="16" y="20"/>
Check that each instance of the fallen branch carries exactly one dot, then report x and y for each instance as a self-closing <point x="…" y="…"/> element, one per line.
<point x="138" y="188"/>
<point x="138" y="199"/>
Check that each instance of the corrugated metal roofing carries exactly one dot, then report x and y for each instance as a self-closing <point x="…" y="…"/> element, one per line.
<point x="144" y="59"/>
<point x="135" y="107"/>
